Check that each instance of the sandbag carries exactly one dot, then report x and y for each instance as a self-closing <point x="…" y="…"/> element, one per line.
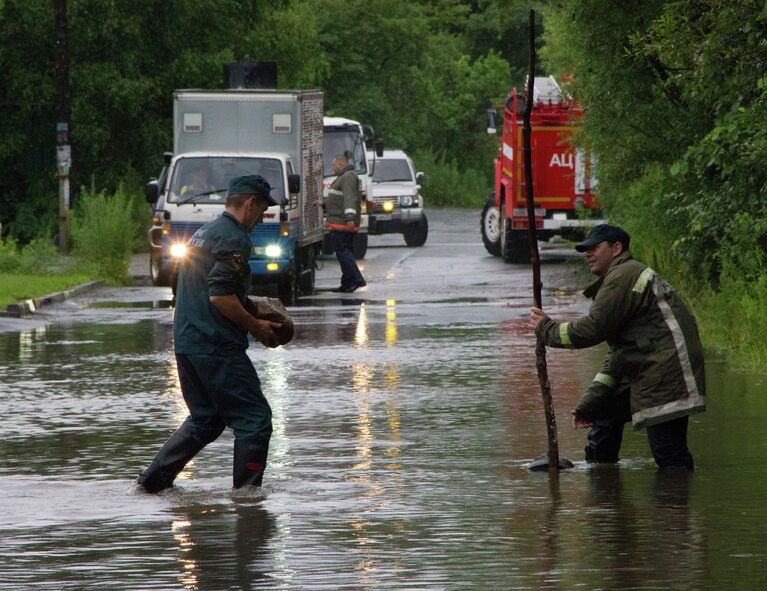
<point x="273" y="310"/>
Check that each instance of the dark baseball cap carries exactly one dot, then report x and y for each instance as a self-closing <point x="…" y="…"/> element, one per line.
<point x="604" y="233"/>
<point x="253" y="184"/>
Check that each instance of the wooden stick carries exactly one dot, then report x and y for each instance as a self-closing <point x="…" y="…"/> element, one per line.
<point x="540" y="349"/>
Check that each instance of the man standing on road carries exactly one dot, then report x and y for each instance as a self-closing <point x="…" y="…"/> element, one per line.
<point x="343" y="208"/>
<point x="210" y="330"/>
<point x="653" y="374"/>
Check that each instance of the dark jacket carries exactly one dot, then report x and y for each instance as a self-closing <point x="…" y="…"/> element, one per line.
<point x="654" y="344"/>
<point x="216" y="263"/>
<point x="343" y="202"/>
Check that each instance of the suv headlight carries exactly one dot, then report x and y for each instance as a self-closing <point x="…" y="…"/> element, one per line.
<point x="406" y="200"/>
<point x="273" y="251"/>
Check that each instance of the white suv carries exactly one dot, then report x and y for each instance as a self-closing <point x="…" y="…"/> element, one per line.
<point x="396" y="206"/>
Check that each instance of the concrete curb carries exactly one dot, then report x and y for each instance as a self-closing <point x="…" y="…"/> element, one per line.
<point x="30" y="306"/>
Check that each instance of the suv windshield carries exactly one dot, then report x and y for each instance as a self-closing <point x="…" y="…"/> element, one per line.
<point x="206" y="179"/>
<point x="389" y="171"/>
<point x="343" y="140"/>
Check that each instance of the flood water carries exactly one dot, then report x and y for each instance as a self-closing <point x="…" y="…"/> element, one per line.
<point x="402" y="430"/>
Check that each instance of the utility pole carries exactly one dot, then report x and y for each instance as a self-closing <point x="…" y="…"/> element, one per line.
<point x="63" y="149"/>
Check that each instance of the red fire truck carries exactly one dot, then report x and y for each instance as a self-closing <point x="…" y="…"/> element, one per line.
<point x="562" y="183"/>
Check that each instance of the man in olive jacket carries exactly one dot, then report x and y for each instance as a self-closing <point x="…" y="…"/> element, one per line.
<point x="653" y="374"/>
<point x="343" y="213"/>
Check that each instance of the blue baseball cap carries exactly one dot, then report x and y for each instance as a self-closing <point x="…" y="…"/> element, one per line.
<point x="604" y="233"/>
<point x="253" y="184"/>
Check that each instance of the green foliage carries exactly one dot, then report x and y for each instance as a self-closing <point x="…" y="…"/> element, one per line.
<point x="677" y="114"/>
<point x="103" y="232"/>
<point x="420" y="72"/>
<point x="9" y="256"/>
<point x="40" y="257"/>
<point x="447" y="185"/>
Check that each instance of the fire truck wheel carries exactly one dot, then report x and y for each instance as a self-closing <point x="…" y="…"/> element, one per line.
<point x="416" y="234"/>
<point x="515" y="245"/>
<point x="360" y="246"/>
<point x="490" y="226"/>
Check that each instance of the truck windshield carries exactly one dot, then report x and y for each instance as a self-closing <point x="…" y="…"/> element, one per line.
<point x="206" y="179"/>
<point x="390" y="171"/>
<point x="344" y="140"/>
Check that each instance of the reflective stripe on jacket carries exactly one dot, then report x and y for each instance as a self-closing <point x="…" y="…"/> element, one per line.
<point x="343" y="202"/>
<point x="654" y="344"/>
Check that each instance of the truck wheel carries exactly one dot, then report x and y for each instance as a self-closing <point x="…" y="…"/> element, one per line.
<point x="515" y="244"/>
<point x="307" y="273"/>
<point x="415" y="234"/>
<point x="287" y="287"/>
<point x="360" y="246"/>
<point x="156" y="273"/>
<point x="491" y="227"/>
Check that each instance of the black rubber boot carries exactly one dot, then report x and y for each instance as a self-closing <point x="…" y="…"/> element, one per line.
<point x="170" y="460"/>
<point x="249" y="463"/>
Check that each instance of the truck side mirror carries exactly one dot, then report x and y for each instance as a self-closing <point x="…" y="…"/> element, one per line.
<point x="379" y="147"/>
<point x="152" y="190"/>
<point x="419" y="177"/>
<point x="491" y="121"/>
<point x="294" y="183"/>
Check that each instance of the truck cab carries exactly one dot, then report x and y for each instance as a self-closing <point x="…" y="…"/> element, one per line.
<point x="195" y="193"/>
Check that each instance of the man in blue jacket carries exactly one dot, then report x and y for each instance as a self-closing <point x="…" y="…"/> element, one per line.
<point x="212" y="321"/>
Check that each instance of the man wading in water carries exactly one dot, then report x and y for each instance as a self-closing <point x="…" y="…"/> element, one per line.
<point x="210" y="333"/>
<point x="653" y="374"/>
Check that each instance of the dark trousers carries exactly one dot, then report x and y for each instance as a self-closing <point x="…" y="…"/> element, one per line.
<point x="342" y="244"/>
<point x="224" y="391"/>
<point x="668" y="440"/>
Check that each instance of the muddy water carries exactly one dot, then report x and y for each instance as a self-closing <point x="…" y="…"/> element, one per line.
<point x="397" y="462"/>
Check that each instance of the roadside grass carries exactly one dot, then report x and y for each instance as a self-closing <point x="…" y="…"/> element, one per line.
<point x="15" y="287"/>
<point x="103" y="232"/>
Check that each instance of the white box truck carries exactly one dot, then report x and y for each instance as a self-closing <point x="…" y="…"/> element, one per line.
<point x="221" y="134"/>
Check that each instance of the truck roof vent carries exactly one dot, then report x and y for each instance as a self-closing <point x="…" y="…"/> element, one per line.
<point x="251" y="75"/>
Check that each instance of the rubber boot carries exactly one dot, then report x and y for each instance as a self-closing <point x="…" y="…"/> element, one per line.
<point x="249" y="464"/>
<point x="170" y="460"/>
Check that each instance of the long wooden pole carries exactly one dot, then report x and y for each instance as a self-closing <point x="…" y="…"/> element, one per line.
<point x="540" y="349"/>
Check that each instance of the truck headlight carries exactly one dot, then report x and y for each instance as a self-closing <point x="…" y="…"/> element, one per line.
<point x="273" y="251"/>
<point x="178" y="250"/>
<point x="406" y="200"/>
<point x="388" y="206"/>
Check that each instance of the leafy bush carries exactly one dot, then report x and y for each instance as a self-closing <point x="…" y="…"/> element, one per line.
<point x="103" y="231"/>
<point x="446" y="184"/>
<point x="9" y="256"/>
<point x="40" y="257"/>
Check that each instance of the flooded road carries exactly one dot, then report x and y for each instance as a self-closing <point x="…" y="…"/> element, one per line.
<point x="404" y="415"/>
